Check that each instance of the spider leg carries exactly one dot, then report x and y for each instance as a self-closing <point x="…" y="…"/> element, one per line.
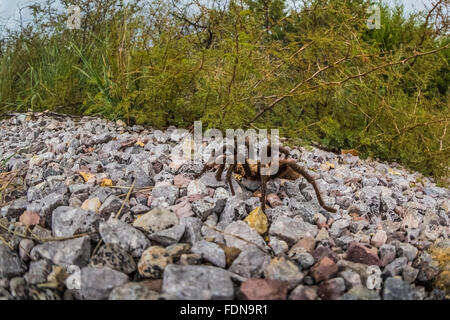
<point x="220" y="171"/>
<point x="228" y="179"/>
<point x="264" y="180"/>
<point x="311" y="180"/>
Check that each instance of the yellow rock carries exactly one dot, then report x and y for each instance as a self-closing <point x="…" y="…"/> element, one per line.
<point x="257" y="220"/>
<point x="91" y="204"/>
<point x="106" y="183"/>
<point x="394" y="172"/>
<point x="140" y="144"/>
<point x="86" y="175"/>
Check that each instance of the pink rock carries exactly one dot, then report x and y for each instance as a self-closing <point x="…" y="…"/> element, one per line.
<point x="181" y="181"/>
<point x="182" y="208"/>
<point x="379" y="238"/>
<point x="324" y="269"/>
<point x="357" y="252"/>
<point x="264" y="289"/>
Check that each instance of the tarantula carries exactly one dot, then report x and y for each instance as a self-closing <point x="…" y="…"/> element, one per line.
<point x="287" y="169"/>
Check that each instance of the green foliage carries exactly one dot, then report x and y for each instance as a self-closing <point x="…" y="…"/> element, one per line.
<point x="234" y="64"/>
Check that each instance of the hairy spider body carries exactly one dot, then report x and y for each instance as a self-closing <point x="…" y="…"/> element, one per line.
<point x="287" y="169"/>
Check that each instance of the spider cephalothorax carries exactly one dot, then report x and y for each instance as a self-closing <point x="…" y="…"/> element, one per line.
<point x="287" y="169"/>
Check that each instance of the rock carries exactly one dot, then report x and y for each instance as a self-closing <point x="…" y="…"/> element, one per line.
<point x="25" y="246"/>
<point x="358" y="253"/>
<point x="115" y="257"/>
<point x="238" y="230"/>
<point x="258" y="221"/>
<point x="410" y="274"/>
<point x="190" y="259"/>
<point x="396" y="289"/>
<point x="169" y="236"/>
<point x="92" y="204"/>
<point x="351" y="278"/>
<point x="387" y="254"/>
<point x="379" y="238"/>
<point x="182" y="208"/>
<point x="67" y="221"/>
<point x="234" y="210"/>
<point x="231" y="254"/>
<point x="176" y="250"/>
<point x="97" y="283"/>
<point x="156" y="220"/>
<point x="153" y="262"/>
<point x="274" y="200"/>
<point x="250" y="263"/>
<point x="197" y="283"/>
<point x="111" y="205"/>
<point x="291" y="230"/>
<point x="168" y="193"/>
<point x="197" y="187"/>
<point x="264" y="289"/>
<point x="38" y="271"/>
<point x="210" y="252"/>
<point x="192" y="232"/>
<point x="322" y="235"/>
<point x="180" y="181"/>
<point x="133" y="291"/>
<point x="283" y="270"/>
<point x="278" y="246"/>
<point x="395" y="268"/>
<point x="302" y="292"/>
<point x="17" y="287"/>
<point x="17" y="207"/>
<point x="204" y="207"/>
<point x="65" y="253"/>
<point x="407" y="250"/>
<point x="305" y="260"/>
<point x="331" y="289"/>
<point x="308" y="244"/>
<point x="324" y="269"/>
<point x="360" y="293"/>
<point x="118" y="232"/>
<point x="321" y="252"/>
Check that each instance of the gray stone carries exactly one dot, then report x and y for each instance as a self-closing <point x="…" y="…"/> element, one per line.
<point x="25" y="246"/>
<point x="283" y="270"/>
<point x="210" y="252"/>
<point x="111" y="205"/>
<point x="192" y="233"/>
<point x="304" y="259"/>
<point x="169" y="236"/>
<point x="170" y="193"/>
<point x="38" y="271"/>
<point x="17" y="207"/>
<point x="204" y="207"/>
<point x="157" y="219"/>
<point x="129" y="238"/>
<point x="68" y="221"/>
<point x="396" y="289"/>
<point x="97" y="283"/>
<point x="65" y="253"/>
<point x="250" y="263"/>
<point x="10" y="264"/>
<point x="407" y="250"/>
<point x="197" y="283"/>
<point x="292" y="230"/>
<point x="238" y="230"/>
<point x="351" y="278"/>
<point x="387" y="254"/>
